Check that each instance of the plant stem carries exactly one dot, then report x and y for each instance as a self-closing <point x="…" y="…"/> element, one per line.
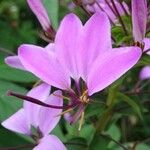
<point x="118" y="143"/>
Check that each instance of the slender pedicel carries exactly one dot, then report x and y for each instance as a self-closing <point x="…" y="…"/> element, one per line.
<point x="111" y="8"/>
<point x="124" y="9"/>
<point x="38" y="102"/>
<point x="119" y="16"/>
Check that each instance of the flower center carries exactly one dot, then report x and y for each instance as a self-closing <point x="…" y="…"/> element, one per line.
<point x="84" y="98"/>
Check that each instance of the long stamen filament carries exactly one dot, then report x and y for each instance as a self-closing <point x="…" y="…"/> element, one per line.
<point x="81" y="121"/>
<point x="64" y="112"/>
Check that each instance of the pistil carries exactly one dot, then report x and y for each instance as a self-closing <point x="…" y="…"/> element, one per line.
<point x="38" y="102"/>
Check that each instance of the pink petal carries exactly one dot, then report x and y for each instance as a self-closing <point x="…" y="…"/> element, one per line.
<point x="39" y="10"/>
<point x="112" y="65"/>
<point x="40" y="92"/>
<point x="50" y="142"/>
<point x="48" y="117"/>
<point x="45" y="66"/>
<point x="50" y="48"/>
<point x="13" y="61"/>
<point x="94" y="41"/>
<point x="66" y="43"/>
<point x="139" y="19"/>
<point x="145" y="73"/>
<point x="147" y="44"/>
<point x="17" y="123"/>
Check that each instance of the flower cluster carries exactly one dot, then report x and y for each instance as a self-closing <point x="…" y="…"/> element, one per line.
<point x="80" y="62"/>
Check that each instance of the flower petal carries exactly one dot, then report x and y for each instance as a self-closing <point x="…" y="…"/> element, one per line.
<point x="50" y="142"/>
<point x="13" y="61"/>
<point x="49" y="117"/>
<point x="40" y="92"/>
<point x="111" y="66"/>
<point x="38" y="61"/>
<point x="95" y="40"/>
<point x="17" y="123"/>
<point x="66" y="43"/>
<point x="147" y="44"/>
<point x="39" y="10"/>
<point x="145" y="73"/>
<point x="139" y="19"/>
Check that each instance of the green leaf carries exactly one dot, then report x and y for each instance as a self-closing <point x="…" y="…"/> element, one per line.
<point x="138" y="147"/>
<point x="87" y="131"/>
<point x="52" y="7"/>
<point x="145" y="60"/>
<point x="142" y="147"/>
<point x="76" y="144"/>
<point x="8" y="104"/>
<point x="58" y="132"/>
<point x="114" y="133"/>
<point x="99" y="142"/>
<point x="132" y="103"/>
<point x="11" y="139"/>
<point x="16" y="75"/>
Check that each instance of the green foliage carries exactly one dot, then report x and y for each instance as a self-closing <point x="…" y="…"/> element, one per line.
<point x="9" y="105"/>
<point x="52" y="7"/>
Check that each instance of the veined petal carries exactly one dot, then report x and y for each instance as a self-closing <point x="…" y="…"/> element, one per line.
<point x="111" y="66"/>
<point x="139" y="19"/>
<point x="39" y="10"/>
<point x="38" y="61"/>
<point x="17" y="123"/>
<point x="145" y="73"/>
<point x="49" y="117"/>
<point x="13" y="61"/>
<point x="50" y="142"/>
<point x="66" y="43"/>
<point x="40" y="92"/>
<point x="94" y="41"/>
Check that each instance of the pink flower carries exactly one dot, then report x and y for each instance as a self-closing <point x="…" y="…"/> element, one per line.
<point x="41" y="118"/>
<point x="39" y="10"/>
<point x="107" y="7"/>
<point x="139" y="19"/>
<point x="145" y="72"/>
<point x="83" y="53"/>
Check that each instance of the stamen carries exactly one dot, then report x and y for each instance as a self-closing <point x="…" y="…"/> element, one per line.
<point x="61" y="96"/>
<point x="81" y="121"/>
<point x="36" y="101"/>
<point x="84" y="98"/>
<point x="64" y="112"/>
<point x="77" y="114"/>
